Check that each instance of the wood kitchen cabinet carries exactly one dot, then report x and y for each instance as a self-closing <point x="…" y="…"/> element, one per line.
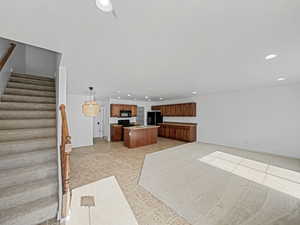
<point x="116" y="108"/>
<point x="116" y="132"/>
<point x="178" y="131"/>
<point x="140" y="136"/>
<point x="183" y="109"/>
<point x="133" y="110"/>
<point x="156" y="107"/>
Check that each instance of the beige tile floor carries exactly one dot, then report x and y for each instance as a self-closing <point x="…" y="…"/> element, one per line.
<point x="89" y="164"/>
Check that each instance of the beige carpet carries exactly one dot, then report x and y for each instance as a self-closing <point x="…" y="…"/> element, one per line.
<point x="242" y="188"/>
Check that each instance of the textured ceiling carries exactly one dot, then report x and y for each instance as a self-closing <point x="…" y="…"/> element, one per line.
<point x="163" y="48"/>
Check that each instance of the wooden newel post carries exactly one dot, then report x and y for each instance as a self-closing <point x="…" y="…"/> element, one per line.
<point x="65" y="151"/>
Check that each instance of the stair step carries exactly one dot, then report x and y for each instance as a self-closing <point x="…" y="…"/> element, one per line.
<point x="8" y="114"/>
<point x="24" y="124"/>
<point x="30" y="76"/>
<point x="18" y="91"/>
<point x="26" y="106"/>
<point x="18" y="176"/>
<point x="21" y="194"/>
<point x="25" y="134"/>
<point x="12" y="161"/>
<point x="30" y="99"/>
<point x="31" y="213"/>
<point x="13" y="147"/>
<point x="32" y="81"/>
<point x="29" y="86"/>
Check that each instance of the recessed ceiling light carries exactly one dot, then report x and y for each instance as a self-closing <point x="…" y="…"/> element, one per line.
<point x="161" y="98"/>
<point x="194" y="92"/>
<point x="119" y="97"/>
<point x="129" y="95"/>
<point x="281" y="78"/>
<point x="104" y="5"/>
<point x="146" y="97"/>
<point x="271" y="56"/>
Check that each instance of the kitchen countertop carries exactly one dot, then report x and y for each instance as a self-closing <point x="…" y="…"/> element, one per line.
<point x="140" y="127"/>
<point x="178" y="124"/>
<point x="115" y="124"/>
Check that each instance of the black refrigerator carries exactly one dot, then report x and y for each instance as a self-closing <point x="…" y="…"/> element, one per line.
<point x="153" y="118"/>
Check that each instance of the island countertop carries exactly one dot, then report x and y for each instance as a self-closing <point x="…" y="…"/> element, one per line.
<point x="141" y="127"/>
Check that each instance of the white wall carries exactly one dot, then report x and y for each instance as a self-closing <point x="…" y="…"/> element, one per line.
<point x="15" y="62"/>
<point x="263" y="120"/>
<point x="40" y="61"/>
<point x="19" y="54"/>
<point x="81" y="127"/>
<point x="4" y="74"/>
<point x="27" y="59"/>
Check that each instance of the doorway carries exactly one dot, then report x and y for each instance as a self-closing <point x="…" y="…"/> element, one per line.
<point x="99" y="124"/>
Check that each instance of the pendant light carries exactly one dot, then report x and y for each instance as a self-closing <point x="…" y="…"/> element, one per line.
<point x="91" y="108"/>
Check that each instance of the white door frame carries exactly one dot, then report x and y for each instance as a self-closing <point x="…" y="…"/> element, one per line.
<point x="99" y="124"/>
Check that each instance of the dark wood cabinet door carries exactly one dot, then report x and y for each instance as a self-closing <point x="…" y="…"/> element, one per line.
<point x="115" y="110"/>
<point x="160" y="131"/>
<point x="116" y="133"/>
<point x="166" y="110"/>
<point x="179" y="132"/>
<point x="133" y="110"/>
<point x="167" y="131"/>
<point x="193" y="109"/>
<point x="155" y="107"/>
<point x="173" y="110"/>
<point x="123" y="107"/>
<point x="163" y="131"/>
<point x="172" y="132"/>
<point x="163" y="110"/>
<point x="183" y="109"/>
<point x="179" y="110"/>
<point x="190" y="109"/>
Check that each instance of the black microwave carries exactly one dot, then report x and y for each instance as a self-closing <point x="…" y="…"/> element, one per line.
<point x="125" y="113"/>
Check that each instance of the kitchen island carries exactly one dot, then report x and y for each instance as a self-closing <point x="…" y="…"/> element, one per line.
<point x="137" y="136"/>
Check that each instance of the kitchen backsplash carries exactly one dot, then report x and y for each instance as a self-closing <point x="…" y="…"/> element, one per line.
<point x="115" y="120"/>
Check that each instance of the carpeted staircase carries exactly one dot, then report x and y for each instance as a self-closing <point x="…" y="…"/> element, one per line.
<point x="28" y="156"/>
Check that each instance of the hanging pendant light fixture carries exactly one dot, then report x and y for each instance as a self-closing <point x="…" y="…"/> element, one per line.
<point x="91" y="108"/>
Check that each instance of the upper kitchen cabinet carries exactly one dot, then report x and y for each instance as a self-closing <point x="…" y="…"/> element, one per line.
<point x="133" y="110"/>
<point x="116" y="108"/>
<point x="183" y="109"/>
<point x="156" y="107"/>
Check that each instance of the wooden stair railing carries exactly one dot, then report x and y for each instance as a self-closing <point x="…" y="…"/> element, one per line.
<point x="65" y="150"/>
<point x="7" y="55"/>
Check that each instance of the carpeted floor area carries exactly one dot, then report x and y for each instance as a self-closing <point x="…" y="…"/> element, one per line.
<point x="216" y="185"/>
<point x="90" y="164"/>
